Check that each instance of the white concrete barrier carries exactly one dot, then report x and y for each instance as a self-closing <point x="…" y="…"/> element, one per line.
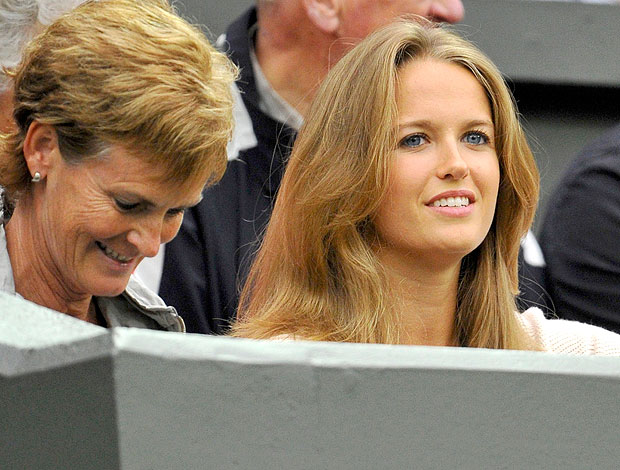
<point x="78" y="396"/>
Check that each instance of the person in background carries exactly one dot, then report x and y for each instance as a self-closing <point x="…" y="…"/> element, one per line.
<point x="400" y="216"/>
<point x="580" y="236"/>
<point x="104" y="157"/>
<point x="20" y="21"/>
<point x="284" y="48"/>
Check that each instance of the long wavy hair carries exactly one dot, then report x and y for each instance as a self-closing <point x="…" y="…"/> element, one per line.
<point x="316" y="275"/>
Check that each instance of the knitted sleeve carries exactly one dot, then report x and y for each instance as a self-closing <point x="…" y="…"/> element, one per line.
<point x="569" y="337"/>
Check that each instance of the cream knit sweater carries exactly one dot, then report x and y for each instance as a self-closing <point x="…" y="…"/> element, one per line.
<point x="569" y="337"/>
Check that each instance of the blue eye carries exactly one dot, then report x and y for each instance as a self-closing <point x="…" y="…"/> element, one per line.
<point x="412" y="141"/>
<point x="476" y="138"/>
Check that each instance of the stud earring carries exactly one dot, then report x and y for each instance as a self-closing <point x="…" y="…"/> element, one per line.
<point x="37" y="177"/>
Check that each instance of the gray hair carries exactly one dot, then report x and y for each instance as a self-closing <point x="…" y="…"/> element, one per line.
<point x="19" y="22"/>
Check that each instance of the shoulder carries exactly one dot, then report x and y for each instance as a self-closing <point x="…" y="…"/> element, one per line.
<point x="607" y="143"/>
<point x="569" y="337"/>
<point x="594" y="165"/>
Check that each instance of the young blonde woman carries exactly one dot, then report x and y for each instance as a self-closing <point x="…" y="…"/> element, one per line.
<point x="401" y="211"/>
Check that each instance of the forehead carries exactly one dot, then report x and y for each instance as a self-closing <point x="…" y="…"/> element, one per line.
<point x="140" y="163"/>
<point x="440" y="88"/>
<point x="121" y="166"/>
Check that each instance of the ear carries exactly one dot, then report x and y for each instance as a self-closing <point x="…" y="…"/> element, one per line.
<point x="41" y="148"/>
<point x="324" y="14"/>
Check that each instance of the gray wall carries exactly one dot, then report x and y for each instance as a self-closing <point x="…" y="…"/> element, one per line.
<point x="77" y="396"/>
<point x="214" y="15"/>
<point x="561" y="59"/>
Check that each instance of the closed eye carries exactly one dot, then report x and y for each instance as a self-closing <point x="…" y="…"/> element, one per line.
<point x="476" y="138"/>
<point x="174" y="212"/>
<point x="126" y="206"/>
<point x="413" y="141"/>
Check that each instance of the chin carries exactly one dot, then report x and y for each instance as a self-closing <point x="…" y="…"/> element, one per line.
<point x="109" y="289"/>
<point x="462" y="249"/>
<point x="463" y="243"/>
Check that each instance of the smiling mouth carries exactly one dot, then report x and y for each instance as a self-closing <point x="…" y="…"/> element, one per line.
<point x="452" y="202"/>
<point x="110" y="253"/>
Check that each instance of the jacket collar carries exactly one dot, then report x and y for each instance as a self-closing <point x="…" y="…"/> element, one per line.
<point x="270" y="133"/>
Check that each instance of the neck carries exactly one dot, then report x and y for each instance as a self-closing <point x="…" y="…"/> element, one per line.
<point x="283" y="50"/>
<point x="425" y="300"/>
<point x="36" y="276"/>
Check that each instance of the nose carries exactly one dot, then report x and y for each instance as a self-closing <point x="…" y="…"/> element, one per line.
<point x="450" y="11"/>
<point x="451" y="165"/>
<point x="150" y="233"/>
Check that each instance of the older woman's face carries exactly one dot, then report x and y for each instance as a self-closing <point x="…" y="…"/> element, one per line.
<point x="445" y="174"/>
<point x="100" y="218"/>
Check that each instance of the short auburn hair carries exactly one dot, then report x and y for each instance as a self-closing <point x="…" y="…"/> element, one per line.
<point x="129" y="73"/>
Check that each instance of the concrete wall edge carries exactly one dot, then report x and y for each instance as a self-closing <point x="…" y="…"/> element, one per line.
<point x="179" y="347"/>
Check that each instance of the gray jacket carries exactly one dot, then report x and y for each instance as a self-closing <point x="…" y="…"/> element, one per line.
<point x="136" y="307"/>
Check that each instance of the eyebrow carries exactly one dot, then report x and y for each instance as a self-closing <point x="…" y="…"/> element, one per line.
<point x="429" y="124"/>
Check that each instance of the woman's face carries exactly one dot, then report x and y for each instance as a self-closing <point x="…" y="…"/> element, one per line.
<point x="445" y="174"/>
<point x="100" y="218"/>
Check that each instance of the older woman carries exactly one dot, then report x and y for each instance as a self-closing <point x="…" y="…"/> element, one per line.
<point x="123" y="113"/>
<point x="402" y="207"/>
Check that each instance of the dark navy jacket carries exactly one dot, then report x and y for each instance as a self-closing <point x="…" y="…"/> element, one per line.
<point x="203" y="264"/>
<point x="580" y="236"/>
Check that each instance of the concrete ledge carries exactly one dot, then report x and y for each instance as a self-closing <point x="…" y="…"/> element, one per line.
<point x="255" y="404"/>
<point x="138" y="399"/>
<point x="195" y="347"/>
<point x="33" y="338"/>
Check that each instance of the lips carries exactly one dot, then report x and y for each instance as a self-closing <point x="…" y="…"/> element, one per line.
<point x="110" y="253"/>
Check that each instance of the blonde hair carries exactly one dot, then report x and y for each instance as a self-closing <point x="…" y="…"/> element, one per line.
<point x="316" y="275"/>
<point x="124" y="72"/>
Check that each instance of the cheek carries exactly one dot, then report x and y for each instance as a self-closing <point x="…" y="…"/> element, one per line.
<point x="494" y="179"/>
<point x="395" y="211"/>
<point x="490" y="188"/>
<point x="408" y="180"/>
<point x="170" y="228"/>
<point x="487" y="176"/>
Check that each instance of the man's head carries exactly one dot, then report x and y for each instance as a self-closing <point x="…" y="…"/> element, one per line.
<point x="331" y="27"/>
